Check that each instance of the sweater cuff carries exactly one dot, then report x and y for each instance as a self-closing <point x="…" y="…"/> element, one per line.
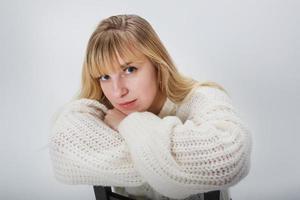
<point x="137" y="122"/>
<point x="147" y="129"/>
<point x="144" y="129"/>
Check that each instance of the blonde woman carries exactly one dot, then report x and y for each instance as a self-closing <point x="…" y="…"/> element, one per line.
<point x="144" y="129"/>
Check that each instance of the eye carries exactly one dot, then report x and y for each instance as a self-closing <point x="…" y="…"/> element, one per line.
<point x="101" y="78"/>
<point x="130" y="69"/>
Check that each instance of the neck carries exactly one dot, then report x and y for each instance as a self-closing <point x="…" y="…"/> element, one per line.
<point x="158" y="103"/>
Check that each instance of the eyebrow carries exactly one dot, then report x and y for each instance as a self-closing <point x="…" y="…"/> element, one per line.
<point x="126" y="64"/>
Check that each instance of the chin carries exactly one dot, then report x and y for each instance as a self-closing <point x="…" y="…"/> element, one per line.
<point x="126" y="112"/>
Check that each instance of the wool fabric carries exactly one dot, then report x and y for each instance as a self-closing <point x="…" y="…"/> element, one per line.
<point x="197" y="146"/>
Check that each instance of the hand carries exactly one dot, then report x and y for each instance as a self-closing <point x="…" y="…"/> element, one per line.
<point x="113" y="118"/>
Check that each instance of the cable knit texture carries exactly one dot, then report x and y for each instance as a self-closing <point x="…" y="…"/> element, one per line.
<point x="198" y="146"/>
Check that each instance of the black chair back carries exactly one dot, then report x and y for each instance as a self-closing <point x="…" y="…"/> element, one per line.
<point x="105" y="193"/>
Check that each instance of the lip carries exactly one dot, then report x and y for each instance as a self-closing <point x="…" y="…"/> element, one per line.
<point x="128" y="104"/>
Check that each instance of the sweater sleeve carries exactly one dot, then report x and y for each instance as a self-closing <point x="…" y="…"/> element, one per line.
<point x="84" y="150"/>
<point x="209" y="150"/>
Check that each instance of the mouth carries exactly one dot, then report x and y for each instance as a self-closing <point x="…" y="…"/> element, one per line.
<point x="128" y="103"/>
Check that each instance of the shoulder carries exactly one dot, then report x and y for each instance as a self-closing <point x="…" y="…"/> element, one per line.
<point x="201" y="99"/>
<point x="207" y="93"/>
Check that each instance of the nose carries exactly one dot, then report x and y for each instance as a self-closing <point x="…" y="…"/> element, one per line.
<point x="119" y="89"/>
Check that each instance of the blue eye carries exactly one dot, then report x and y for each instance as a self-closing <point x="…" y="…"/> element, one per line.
<point x="131" y="67"/>
<point x="100" y="78"/>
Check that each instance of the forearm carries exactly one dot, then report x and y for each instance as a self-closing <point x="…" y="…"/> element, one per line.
<point x="209" y="151"/>
<point x="84" y="150"/>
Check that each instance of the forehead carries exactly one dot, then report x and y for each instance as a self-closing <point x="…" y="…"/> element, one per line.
<point x="123" y="61"/>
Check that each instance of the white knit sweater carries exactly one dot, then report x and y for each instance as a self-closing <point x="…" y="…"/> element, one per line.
<point x="198" y="146"/>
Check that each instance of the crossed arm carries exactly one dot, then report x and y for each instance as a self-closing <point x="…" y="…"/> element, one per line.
<point x="84" y="150"/>
<point x="209" y="151"/>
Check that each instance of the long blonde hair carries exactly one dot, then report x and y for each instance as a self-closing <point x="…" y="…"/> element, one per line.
<point x="123" y="34"/>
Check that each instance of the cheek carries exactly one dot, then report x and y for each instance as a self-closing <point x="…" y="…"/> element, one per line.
<point x="147" y="88"/>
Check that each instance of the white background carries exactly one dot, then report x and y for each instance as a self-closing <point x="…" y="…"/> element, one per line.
<point x="249" y="47"/>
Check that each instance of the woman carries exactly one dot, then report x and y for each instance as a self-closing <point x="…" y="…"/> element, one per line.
<point x="143" y="128"/>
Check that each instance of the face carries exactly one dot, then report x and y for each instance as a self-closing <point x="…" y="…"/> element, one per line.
<point x="136" y="83"/>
